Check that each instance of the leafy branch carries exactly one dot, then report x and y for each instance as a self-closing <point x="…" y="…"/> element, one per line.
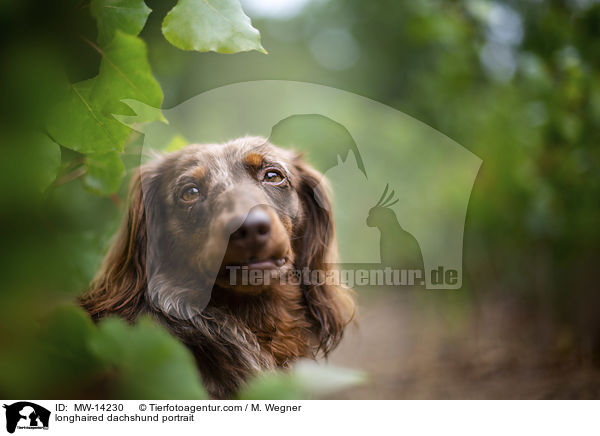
<point x="83" y="120"/>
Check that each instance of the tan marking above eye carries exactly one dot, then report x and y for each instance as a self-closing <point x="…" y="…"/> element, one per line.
<point x="198" y="173"/>
<point x="254" y="159"/>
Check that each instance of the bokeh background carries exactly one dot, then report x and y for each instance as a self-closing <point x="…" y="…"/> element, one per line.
<point x="515" y="82"/>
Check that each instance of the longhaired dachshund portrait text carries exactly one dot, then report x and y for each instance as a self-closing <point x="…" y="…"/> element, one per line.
<point x="199" y="219"/>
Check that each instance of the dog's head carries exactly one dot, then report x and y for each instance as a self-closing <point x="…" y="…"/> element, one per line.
<point x="216" y="209"/>
<point x="202" y="218"/>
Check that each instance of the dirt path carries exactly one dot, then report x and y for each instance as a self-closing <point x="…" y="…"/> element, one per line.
<point x="432" y="347"/>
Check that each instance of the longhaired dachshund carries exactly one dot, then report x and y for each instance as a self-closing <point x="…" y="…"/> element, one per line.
<point x="203" y="219"/>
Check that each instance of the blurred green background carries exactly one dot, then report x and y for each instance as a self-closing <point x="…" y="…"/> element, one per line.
<point x="515" y="82"/>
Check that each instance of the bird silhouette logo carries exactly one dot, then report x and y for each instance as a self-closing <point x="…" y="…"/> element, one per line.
<point x="398" y="248"/>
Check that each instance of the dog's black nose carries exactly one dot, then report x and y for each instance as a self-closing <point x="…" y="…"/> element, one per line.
<point x="254" y="231"/>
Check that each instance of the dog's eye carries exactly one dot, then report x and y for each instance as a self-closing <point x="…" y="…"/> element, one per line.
<point x="273" y="176"/>
<point x="190" y="194"/>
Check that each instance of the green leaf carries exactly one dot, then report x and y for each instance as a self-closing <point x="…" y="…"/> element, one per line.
<point x="150" y="363"/>
<point x="307" y="379"/>
<point x="143" y="114"/>
<point x="45" y="157"/>
<point x="125" y="73"/>
<point x="128" y="16"/>
<point x="63" y="342"/>
<point x="211" y="25"/>
<point x="177" y="143"/>
<point x="77" y="123"/>
<point x="104" y="172"/>
<point x="84" y="121"/>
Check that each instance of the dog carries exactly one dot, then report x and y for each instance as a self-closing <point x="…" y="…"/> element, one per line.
<point x="201" y="218"/>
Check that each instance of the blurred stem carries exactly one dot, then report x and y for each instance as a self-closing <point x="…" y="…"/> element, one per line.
<point x="75" y="174"/>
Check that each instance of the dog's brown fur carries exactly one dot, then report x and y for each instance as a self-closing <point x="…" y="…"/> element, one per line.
<point x="242" y="330"/>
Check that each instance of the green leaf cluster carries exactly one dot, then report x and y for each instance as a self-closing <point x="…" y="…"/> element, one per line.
<point x="70" y="153"/>
<point x="85" y="119"/>
<point x="113" y="359"/>
<point x="66" y="131"/>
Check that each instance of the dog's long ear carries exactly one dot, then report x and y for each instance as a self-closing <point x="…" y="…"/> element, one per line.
<point x="119" y="286"/>
<point x="331" y="307"/>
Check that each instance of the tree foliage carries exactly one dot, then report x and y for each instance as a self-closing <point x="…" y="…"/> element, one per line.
<point x="69" y="81"/>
